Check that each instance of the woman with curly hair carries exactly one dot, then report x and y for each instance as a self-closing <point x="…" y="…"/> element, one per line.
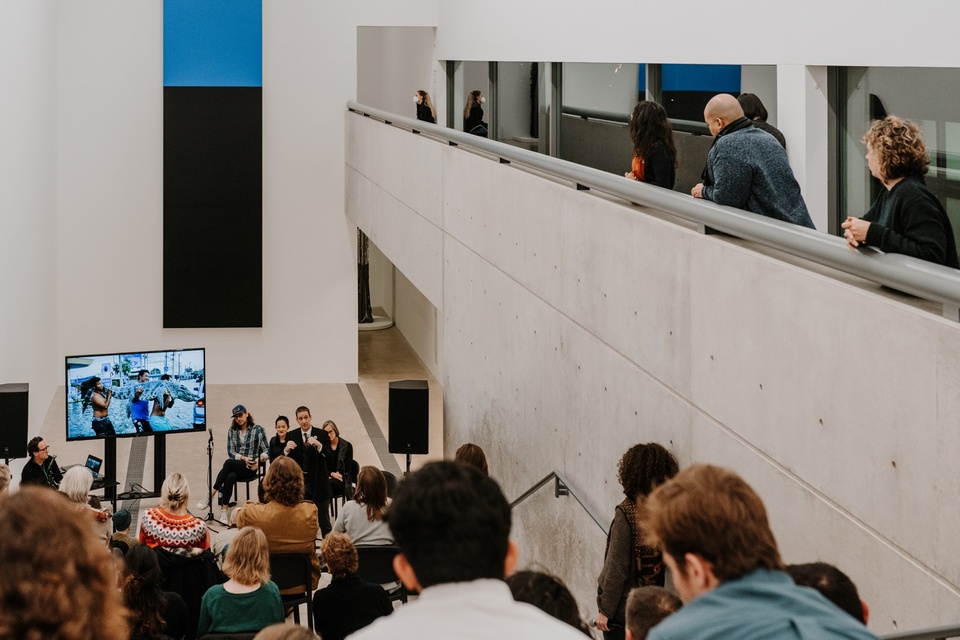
<point x="362" y="517"/>
<point x="58" y="579"/>
<point x="906" y="217"/>
<point x="154" y="614"/>
<point x="654" y="154"/>
<point x="289" y="523"/>
<point x="627" y="561"/>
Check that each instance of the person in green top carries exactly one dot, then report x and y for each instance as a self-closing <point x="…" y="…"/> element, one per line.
<point x="248" y="601"/>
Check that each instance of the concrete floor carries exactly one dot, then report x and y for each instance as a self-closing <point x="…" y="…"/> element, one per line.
<point x="384" y="356"/>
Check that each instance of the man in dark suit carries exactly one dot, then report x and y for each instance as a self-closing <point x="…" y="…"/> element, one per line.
<point x="311" y="442"/>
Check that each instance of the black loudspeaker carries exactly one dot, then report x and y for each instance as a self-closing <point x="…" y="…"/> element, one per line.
<point x="13" y="420"/>
<point x="409" y="416"/>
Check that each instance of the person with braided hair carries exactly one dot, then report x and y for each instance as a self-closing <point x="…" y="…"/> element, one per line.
<point x="627" y="561"/>
<point x="154" y="613"/>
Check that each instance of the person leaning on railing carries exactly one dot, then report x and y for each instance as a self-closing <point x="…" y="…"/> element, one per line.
<point x="906" y="217"/>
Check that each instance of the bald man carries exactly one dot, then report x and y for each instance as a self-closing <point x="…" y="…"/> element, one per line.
<point x="747" y="168"/>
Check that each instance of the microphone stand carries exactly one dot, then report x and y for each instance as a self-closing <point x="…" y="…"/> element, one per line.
<point x="209" y="517"/>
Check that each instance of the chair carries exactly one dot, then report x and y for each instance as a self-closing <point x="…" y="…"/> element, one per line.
<point x="349" y="485"/>
<point x="391" y="484"/>
<point x="291" y="571"/>
<point x="376" y="565"/>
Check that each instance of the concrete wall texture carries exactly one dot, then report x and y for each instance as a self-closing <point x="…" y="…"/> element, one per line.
<point x="575" y="326"/>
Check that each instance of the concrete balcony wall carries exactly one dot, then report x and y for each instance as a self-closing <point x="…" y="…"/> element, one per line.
<point x="575" y="326"/>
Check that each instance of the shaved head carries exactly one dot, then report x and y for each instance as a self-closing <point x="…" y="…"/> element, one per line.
<point x="722" y="109"/>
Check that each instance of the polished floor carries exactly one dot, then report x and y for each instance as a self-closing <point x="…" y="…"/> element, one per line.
<point x="360" y="411"/>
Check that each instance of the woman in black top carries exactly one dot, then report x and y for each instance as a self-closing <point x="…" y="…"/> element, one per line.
<point x="654" y="154"/>
<point x="473" y="114"/>
<point x="906" y="217"/>
<point x="425" y="110"/>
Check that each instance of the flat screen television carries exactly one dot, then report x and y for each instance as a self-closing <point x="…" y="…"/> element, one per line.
<point x="135" y="394"/>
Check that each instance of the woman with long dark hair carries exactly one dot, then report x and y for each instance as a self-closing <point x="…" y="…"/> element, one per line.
<point x="362" y="517"/>
<point x="154" y="614"/>
<point x="654" y="153"/>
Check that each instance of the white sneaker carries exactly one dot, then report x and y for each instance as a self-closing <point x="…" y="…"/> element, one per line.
<point x="224" y="519"/>
<point x="203" y="504"/>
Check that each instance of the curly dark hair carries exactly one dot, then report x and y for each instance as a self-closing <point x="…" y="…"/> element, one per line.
<point x="644" y="467"/>
<point x="143" y="592"/>
<point x="898" y="146"/>
<point x="649" y="128"/>
<point x="284" y="482"/>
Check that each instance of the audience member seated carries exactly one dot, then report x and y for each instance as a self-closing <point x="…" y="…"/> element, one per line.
<point x="286" y="632"/>
<point x="57" y="579"/>
<point x="339" y="457"/>
<point x="452" y="526"/>
<point x="550" y="595"/>
<point x="289" y="523"/>
<point x="4" y="480"/>
<point x="628" y="561"/>
<point x="279" y="444"/>
<point x="76" y="486"/>
<point x="41" y="468"/>
<point x="154" y="614"/>
<point x="121" y="529"/>
<point x="362" y="517"/>
<point x="472" y="455"/>
<point x="646" y="608"/>
<point x="834" y="584"/>
<point x="725" y="564"/>
<point x="170" y="525"/>
<point x="248" y="601"/>
<point x="348" y="604"/>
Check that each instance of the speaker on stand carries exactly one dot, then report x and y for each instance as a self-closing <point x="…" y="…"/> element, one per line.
<point x="409" y="418"/>
<point x="14" y="406"/>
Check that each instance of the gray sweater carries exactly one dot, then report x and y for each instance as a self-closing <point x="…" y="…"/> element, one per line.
<point x="748" y="169"/>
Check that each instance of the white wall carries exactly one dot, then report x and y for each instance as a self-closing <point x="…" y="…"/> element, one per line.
<point x="576" y="326"/>
<point x="110" y="192"/>
<point x="28" y="202"/>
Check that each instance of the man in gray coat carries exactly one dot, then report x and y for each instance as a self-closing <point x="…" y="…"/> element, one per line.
<point x="747" y="168"/>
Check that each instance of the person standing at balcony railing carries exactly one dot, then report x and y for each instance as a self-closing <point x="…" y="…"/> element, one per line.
<point x="906" y="218"/>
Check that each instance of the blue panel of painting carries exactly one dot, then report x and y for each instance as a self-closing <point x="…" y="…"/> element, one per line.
<point x="718" y="78"/>
<point x="212" y="43"/>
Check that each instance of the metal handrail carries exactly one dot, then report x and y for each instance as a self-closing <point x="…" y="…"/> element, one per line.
<point x="903" y="273"/>
<point x="686" y="126"/>
<point x="933" y="633"/>
<point x="562" y="487"/>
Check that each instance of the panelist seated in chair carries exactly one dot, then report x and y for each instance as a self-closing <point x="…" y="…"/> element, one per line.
<point x="362" y="517"/>
<point x="311" y="442"/>
<point x="289" y="523"/>
<point x="339" y="458"/>
<point x="348" y="603"/>
<point x="249" y="600"/>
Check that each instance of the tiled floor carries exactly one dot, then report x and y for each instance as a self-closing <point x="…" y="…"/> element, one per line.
<point x="383" y="355"/>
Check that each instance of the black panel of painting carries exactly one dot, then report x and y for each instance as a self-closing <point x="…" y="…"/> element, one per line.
<point x="212" y="207"/>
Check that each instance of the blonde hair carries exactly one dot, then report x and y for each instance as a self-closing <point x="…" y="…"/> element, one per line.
<point x="248" y="558"/>
<point x="76" y="484"/>
<point x="174" y="493"/>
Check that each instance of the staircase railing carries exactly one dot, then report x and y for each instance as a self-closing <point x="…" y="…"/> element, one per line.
<point x="562" y="487"/>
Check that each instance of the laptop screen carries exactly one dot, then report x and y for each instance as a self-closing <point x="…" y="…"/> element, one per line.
<point x="93" y="463"/>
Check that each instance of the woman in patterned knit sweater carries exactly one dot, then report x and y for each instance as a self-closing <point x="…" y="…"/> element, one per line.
<point x="627" y="561"/>
<point x="169" y="525"/>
